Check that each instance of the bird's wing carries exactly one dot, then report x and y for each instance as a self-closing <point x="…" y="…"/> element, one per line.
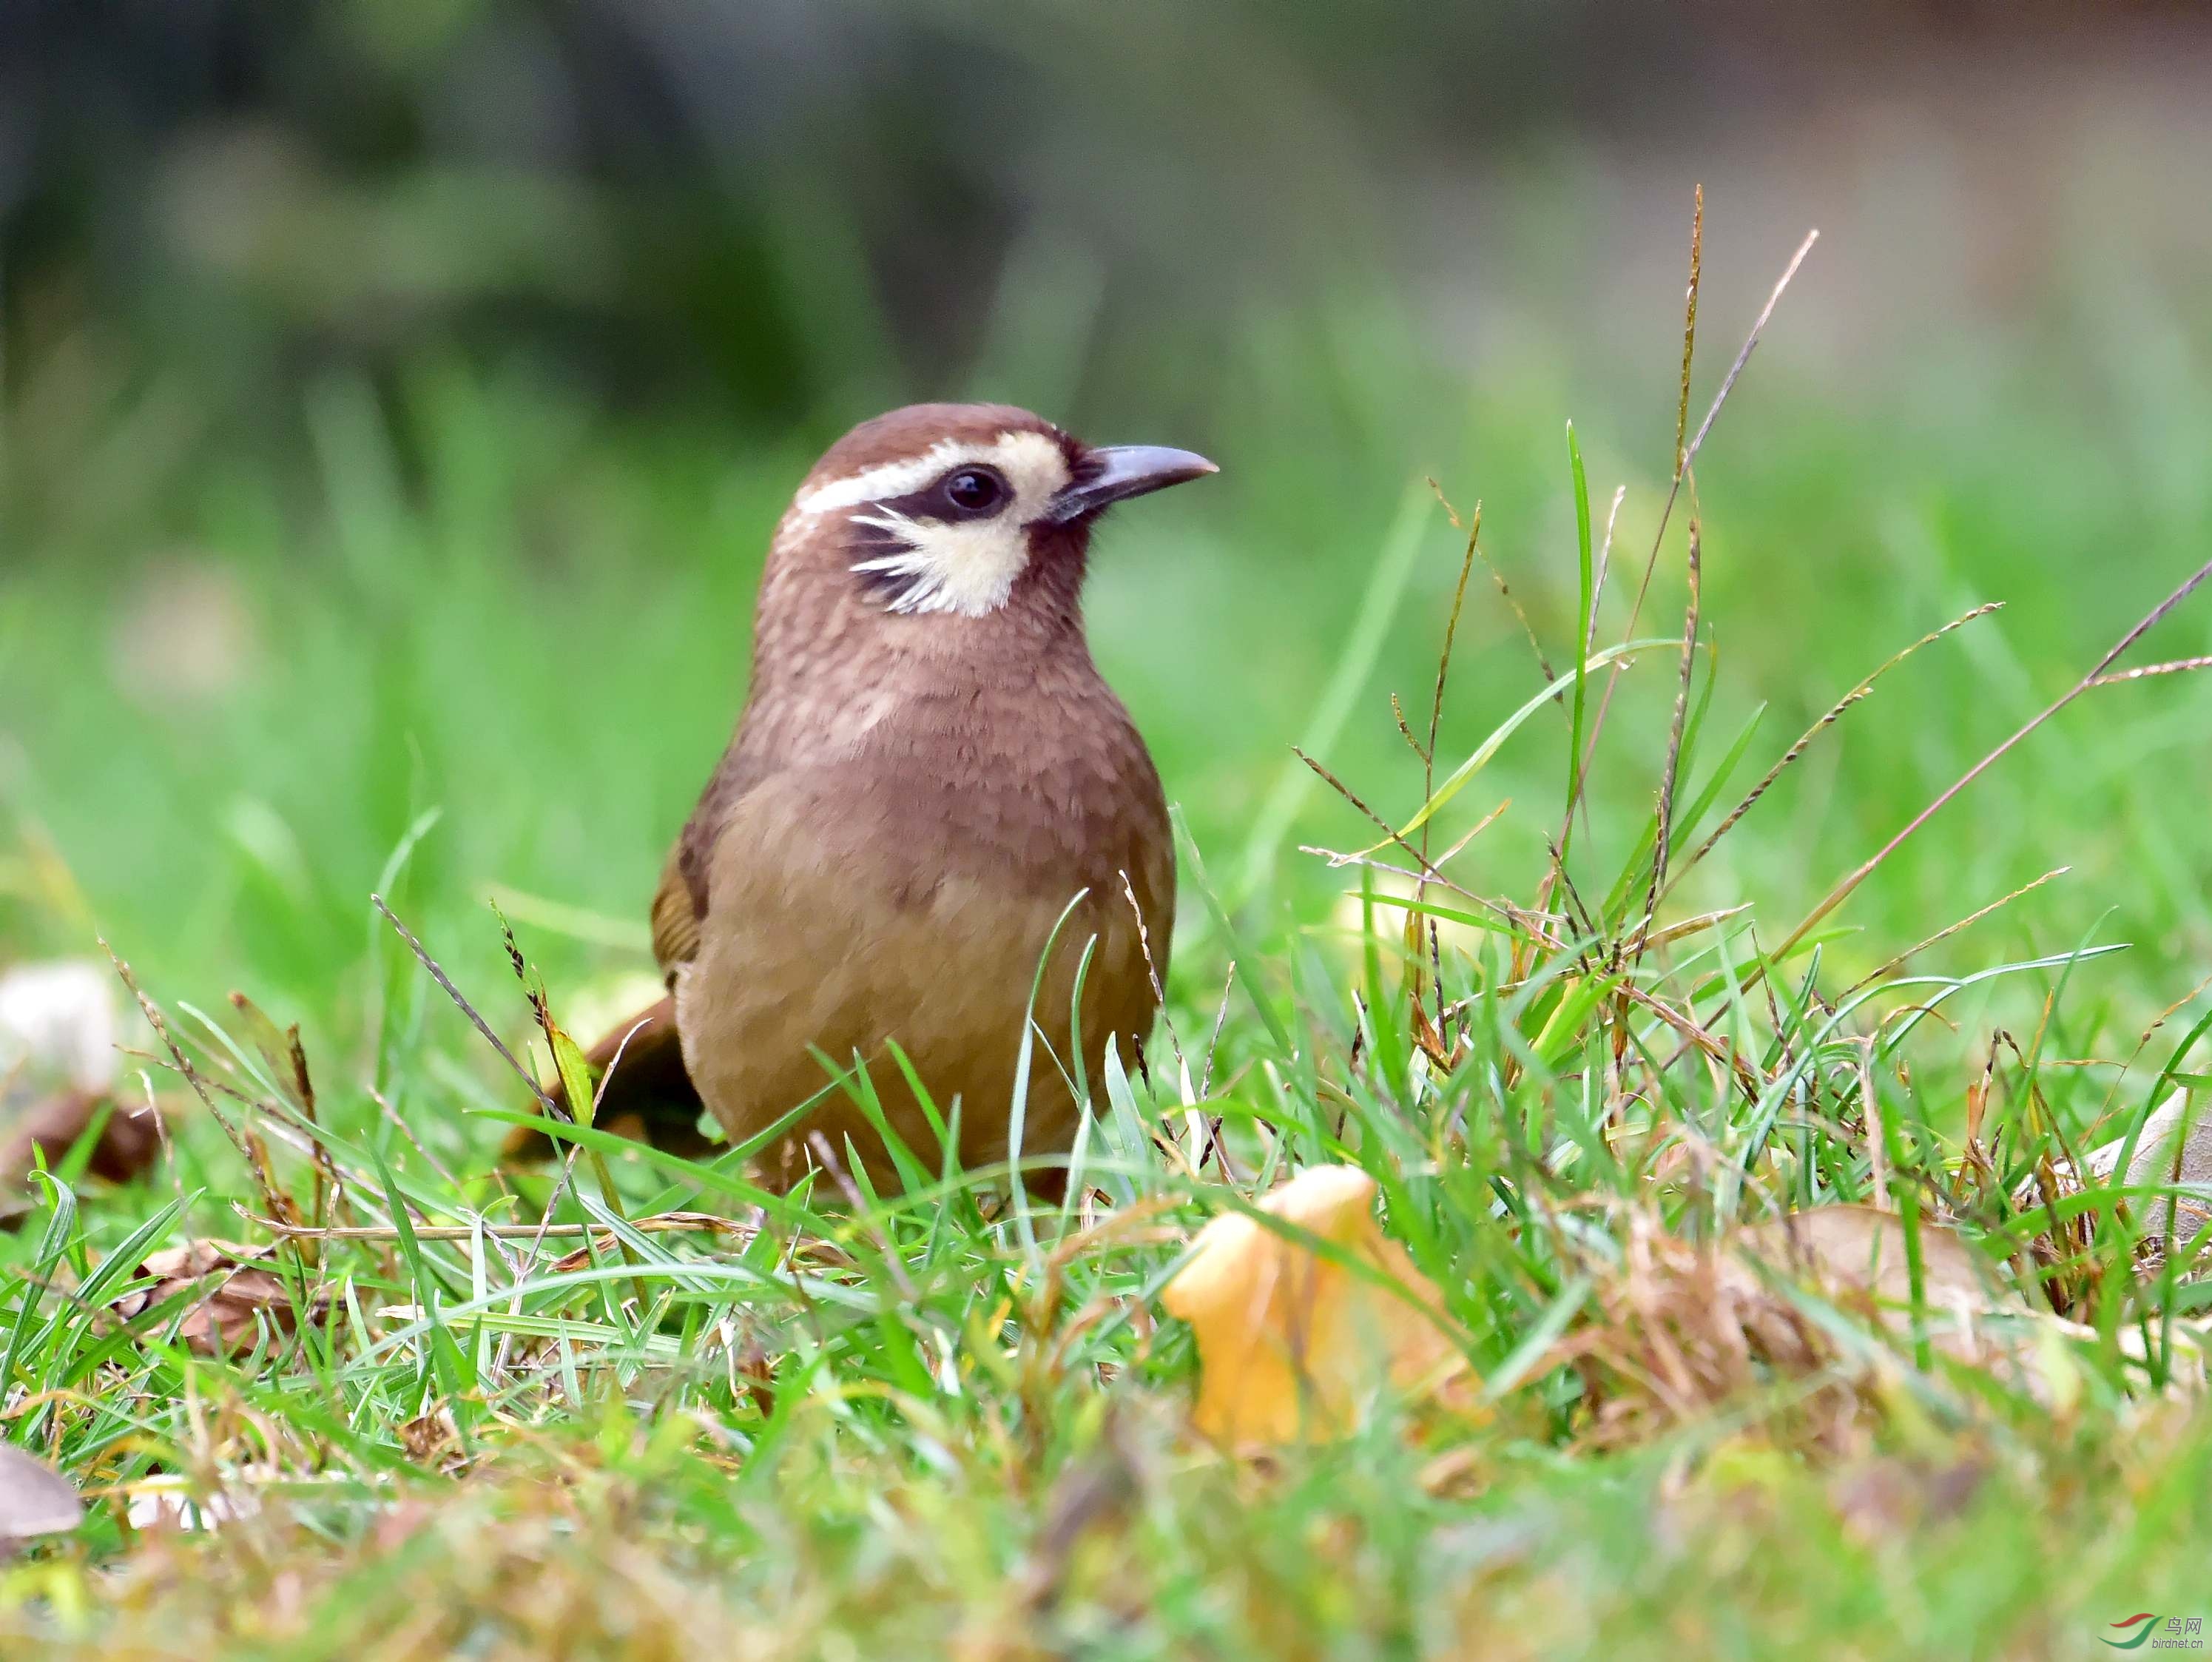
<point x="675" y="916"/>
<point x="644" y="1091"/>
<point x="679" y="905"/>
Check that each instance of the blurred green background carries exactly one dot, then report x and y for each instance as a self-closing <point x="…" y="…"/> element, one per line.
<point x="398" y="399"/>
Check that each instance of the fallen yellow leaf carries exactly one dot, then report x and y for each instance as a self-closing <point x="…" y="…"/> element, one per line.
<point x="1291" y="1345"/>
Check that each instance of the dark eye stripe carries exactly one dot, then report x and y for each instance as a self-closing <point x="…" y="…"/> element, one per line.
<point x="937" y="500"/>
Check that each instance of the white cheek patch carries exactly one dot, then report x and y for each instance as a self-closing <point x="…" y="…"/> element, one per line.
<point x="967" y="567"/>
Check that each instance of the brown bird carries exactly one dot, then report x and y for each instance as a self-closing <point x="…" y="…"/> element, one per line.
<point x="928" y="773"/>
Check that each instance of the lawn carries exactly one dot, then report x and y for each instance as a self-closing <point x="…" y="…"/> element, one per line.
<point x="478" y="638"/>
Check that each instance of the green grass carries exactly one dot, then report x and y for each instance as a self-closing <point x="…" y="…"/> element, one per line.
<point x="492" y="642"/>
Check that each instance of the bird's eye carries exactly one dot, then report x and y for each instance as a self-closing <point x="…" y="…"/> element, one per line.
<point x="974" y="490"/>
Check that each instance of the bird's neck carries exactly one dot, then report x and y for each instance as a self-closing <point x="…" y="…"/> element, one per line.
<point x="859" y="672"/>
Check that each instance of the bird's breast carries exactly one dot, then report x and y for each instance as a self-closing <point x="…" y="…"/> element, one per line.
<point x="1020" y="770"/>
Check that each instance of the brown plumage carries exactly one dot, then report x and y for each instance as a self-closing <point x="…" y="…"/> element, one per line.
<point x="928" y="771"/>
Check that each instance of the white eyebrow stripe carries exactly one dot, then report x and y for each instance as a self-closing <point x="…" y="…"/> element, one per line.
<point x="900" y="479"/>
<point x="891" y="479"/>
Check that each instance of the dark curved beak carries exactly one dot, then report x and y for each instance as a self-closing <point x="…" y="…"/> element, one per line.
<point x="1121" y="470"/>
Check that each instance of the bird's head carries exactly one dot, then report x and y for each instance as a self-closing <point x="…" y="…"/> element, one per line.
<point x="962" y="511"/>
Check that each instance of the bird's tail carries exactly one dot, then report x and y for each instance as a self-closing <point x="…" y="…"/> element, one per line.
<point x="645" y="1093"/>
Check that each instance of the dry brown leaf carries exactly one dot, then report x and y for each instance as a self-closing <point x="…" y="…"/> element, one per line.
<point x="1861" y="1250"/>
<point x="1856" y="1256"/>
<point x="1291" y="1345"/>
<point x="1681" y="1327"/>
<point x="2173" y="1145"/>
<point x="234" y="1296"/>
<point x="34" y="1498"/>
<point x="1677" y="1327"/>
<point x="33" y="1128"/>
